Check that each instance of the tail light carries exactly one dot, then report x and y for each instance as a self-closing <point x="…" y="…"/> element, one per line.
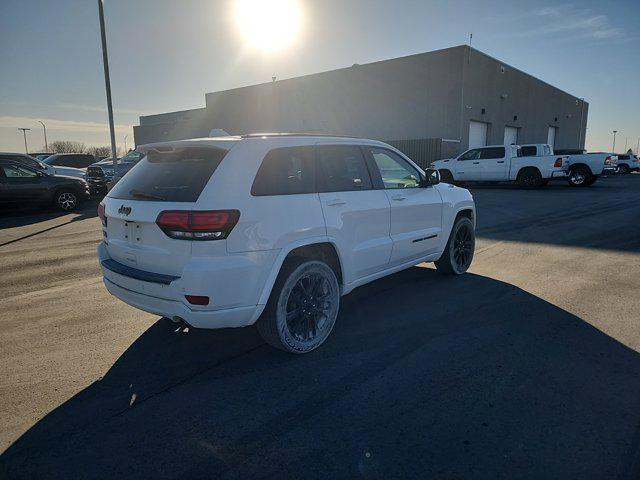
<point x="197" y="225"/>
<point x="607" y="161"/>
<point x="558" y="163"/>
<point x="101" y="214"/>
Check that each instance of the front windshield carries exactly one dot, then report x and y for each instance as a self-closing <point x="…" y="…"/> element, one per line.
<point x="31" y="162"/>
<point x="132" y="156"/>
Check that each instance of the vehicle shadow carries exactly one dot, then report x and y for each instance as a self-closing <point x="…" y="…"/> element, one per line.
<point x="424" y="376"/>
<point x="28" y="215"/>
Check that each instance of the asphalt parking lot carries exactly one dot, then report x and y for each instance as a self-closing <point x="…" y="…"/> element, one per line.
<point x="526" y="367"/>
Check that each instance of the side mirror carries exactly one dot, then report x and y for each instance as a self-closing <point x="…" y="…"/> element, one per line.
<point x="431" y="177"/>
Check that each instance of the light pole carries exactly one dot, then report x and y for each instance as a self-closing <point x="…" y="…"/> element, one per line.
<point x="125" y="144"/>
<point x="24" y="133"/>
<point x="107" y="83"/>
<point x="44" y="128"/>
<point x="614" y="141"/>
<point x="638" y="147"/>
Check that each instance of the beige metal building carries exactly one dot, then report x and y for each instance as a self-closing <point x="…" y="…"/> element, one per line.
<point x="430" y="105"/>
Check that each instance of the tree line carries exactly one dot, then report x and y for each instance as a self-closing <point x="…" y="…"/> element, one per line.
<point x="71" y="146"/>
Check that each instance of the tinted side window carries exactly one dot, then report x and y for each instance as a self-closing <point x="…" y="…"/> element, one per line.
<point x="529" y="151"/>
<point x="13" y="171"/>
<point x="61" y="161"/>
<point x="395" y="171"/>
<point x="342" y="168"/>
<point x="623" y="157"/>
<point x="286" y="171"/>
<point x="470" y="155"/>
<point x="493" y="152"/>
<point x="81" y="161"/>
<point x="173" y="176"/>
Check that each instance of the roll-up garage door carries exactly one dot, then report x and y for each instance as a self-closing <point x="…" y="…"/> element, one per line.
<point x="551" y="136"/>
<point x="477" y="134"/>
<point x="510" y="135"/>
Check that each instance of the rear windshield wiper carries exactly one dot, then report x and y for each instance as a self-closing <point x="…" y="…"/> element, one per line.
<point x="141" y="194"/>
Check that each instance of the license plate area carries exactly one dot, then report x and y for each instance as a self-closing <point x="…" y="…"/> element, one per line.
<point x="132" y="232"/>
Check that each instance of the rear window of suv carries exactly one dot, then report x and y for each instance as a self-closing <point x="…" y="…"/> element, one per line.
<point x="170" y="176"/>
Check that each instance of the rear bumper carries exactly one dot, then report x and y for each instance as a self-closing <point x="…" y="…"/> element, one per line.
<point x="234" y="283"/>
<point x="608" y="170"/>
<point x="230" y="317"/>
<point x="559" y="174"/>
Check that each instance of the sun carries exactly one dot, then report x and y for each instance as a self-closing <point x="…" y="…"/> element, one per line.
<point x="268" y="25"/>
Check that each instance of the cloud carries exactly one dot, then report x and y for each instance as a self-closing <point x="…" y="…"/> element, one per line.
<point x="568" y="22"/>
<point x="61" y="125"/>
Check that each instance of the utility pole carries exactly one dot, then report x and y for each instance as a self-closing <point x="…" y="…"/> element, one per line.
<point x="638" y="147"/>
<point x="614" y="141"/>
<point x="44" y="128"/>
<point x="107" y="84"/>
<point x="24" y="133"/>
<point x="125" y="144"/>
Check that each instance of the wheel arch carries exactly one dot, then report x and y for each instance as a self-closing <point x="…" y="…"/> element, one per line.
<point x="525" y="168"/>
<point x="584" y="165"/>
<point x="64" y="188"/>
<point x="320" y="248"/>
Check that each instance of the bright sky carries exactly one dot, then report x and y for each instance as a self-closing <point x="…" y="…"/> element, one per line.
<point x="166" y="54"/>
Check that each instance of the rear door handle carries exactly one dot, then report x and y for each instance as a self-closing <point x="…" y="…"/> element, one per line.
<point x="476" y="163"/>
<point x="500" y="161"/>
<point x="398" y="198"/>
<point x="336" y="202"/>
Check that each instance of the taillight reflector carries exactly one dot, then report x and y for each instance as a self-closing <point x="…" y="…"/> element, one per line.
<point x="197" y="225"/>
<point x="197" y="299"/>
<point x="101" y="214"/>
<point x="558" y="162"/>
<point x="607" y="161"/>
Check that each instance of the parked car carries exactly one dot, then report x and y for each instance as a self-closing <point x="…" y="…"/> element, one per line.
<point x="100" y="173"/>
<point x="76" y="160"/>
<point x="41" y="156"/>
<point x="273" y="229"/>
<point x="501" y="163"/>
<point x="584" y="168"/>
<point x="627" y="163"/>
<point x="36" y="164"/>
<point x="20" y="185"/>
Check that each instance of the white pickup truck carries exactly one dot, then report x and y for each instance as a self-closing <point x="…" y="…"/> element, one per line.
<point x="584" y="169"/>
<point x="502" y="163"/>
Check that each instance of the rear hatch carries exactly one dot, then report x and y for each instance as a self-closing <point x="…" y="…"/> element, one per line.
<point x="167" y="179"/>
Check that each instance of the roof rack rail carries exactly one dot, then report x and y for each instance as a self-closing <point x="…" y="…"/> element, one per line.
<point x="296" y="134"/>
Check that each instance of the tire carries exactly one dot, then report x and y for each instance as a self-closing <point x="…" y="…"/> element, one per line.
<point x="310" y="288"/>
<point x="623" y="169"/>
<point x="579" y="177"/>
<point x="458" y="254"/>
<point x="530" y="178"/>
<point x="66" y="200"/>
<point x="446" y="176"/>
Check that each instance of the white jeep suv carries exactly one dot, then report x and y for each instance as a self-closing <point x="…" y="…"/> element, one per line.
<point x="273" y="229"/>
